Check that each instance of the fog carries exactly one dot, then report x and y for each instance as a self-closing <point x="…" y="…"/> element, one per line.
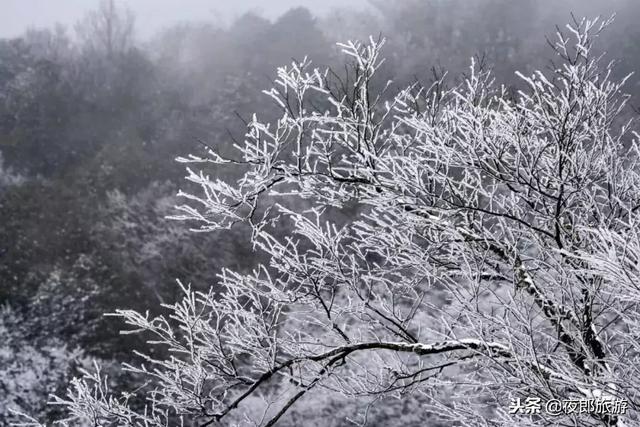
<point x="152" y="15"/>
<point x="98" y="98"/>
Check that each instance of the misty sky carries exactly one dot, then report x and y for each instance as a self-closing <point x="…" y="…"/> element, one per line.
<point x="18" y="15"/>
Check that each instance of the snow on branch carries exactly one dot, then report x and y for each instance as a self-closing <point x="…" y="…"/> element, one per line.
<point x="396" y="223"/>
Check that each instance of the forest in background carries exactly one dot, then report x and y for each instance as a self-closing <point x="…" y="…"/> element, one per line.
<point x="91" y="120"/>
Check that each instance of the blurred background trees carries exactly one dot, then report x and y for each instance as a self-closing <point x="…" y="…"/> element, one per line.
<point x="91" y="118"/>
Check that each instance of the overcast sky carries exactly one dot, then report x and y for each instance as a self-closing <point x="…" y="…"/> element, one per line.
<point x="18" y="15"/>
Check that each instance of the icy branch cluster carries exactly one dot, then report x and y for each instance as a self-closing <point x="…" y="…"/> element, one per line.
<point x="488" y="249"/>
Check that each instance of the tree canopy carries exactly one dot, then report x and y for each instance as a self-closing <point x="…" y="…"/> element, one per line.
<point x="489" y="252"/>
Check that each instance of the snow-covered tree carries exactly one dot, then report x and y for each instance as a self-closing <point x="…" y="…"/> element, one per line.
<point x="493" y="255"/>
<point x="31" y="368"/>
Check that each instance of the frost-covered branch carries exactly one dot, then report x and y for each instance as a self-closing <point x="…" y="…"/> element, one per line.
<point x="485" y="249"/>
